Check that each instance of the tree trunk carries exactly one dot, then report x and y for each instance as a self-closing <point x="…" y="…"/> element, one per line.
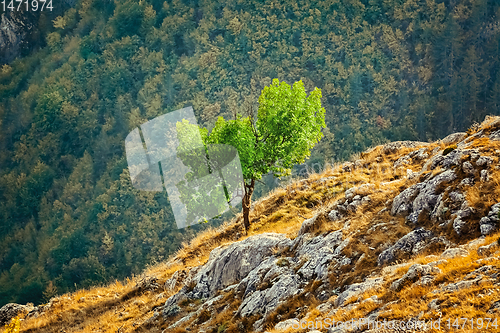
<point x="246" y="203"/>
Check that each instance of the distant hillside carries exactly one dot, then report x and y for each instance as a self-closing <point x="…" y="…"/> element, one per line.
<point x="407" y="231"/>
<point x="93" y="70"/>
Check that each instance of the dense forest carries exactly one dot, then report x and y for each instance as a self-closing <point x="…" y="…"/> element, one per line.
<point x="69" y="217"/>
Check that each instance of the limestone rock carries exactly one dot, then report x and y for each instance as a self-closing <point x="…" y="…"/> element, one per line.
<point x="415" y="272"/>
<point x="419" y="197"/>
<point x="229" y="265"/>
<point x="484" y="161"/>
<point x="334" y="215"/>
<point x="459" y="225"/>
<point x="321" y="251"/>
<point x="357" y="289"/>
<point x="489" y="224"/>
<point x="487" y="229"/>
<point x="175" y="280"/>
<point x="453" y="253"/>
<point x="485" y="176"/>
<point x="264" y="301"/>
<point x="454" y="138"/>
<point x="405" y="246"/>
<point x="487" y="250"/>
<point x="286" y="324"/>
<point x="308" y="225"/>
<point x="468" y="168"/>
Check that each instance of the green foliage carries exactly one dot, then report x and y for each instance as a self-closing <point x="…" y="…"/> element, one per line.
<point x="287" y="127"/>
<point x="222" y="327"/>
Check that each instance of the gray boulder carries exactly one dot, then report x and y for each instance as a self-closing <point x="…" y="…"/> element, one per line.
<point x="427" y="197"/>
<point x="419" y="197"/>
<point x="485" y="176"/>
<point x="453" y="253"/>
<point x="263" y="272"/>
<point x="229" y="265"/>
<point x="334" y="215"/>
<point x="415" y="273"/>
<point x="467" y="182"/>
<point x="454" y="138"/>
<point x="489" y="224"/>
<point x="402" y="204"/>
<point x="468" y="168"/>
<point x="357" y="289"/>
<point x="308" y="225"/>
<point x="456" y="197"/>
<point x="265" y="301"/>
<point x="176" y="279"/>
<point x="320" y="251"/>
<point x="459" y="225"/>
<point x="171" y="311"/>
<point x="487" y="250"/>
<point x="487" y="229"/>
<point x="485" y="161"/>
<point x="409" y="244"/>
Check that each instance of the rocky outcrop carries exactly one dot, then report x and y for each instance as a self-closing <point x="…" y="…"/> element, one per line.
<point x="357" y="289"/>
<point x="454" y="138"/>
<point x="264" y="281"/>
<point x="480" y="276"/>
<point x="268" y="270"/>
<point x="424" y="274"/>
<point x="393" y="147"/>
<point x="421" y="197"/>
<point x="11" y="310"/>
<point x="229" y="265"/>
<point x="413" y="243"/>
<point x="353" y="198"/>
<point x="489" y="223"/>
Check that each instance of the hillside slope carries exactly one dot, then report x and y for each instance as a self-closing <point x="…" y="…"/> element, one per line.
<point x="407" y="231"/>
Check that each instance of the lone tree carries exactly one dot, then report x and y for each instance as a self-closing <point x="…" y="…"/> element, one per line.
<point x="287" y="126"/>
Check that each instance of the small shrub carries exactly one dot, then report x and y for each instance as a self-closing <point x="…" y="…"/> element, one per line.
<point x="282" y="262"/>
<point x="449" y="149"/>
<point x="222" y="328"/>
<point x="14" y="326"/>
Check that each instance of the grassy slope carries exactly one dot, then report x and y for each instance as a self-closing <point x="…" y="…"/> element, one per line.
<point x="126" y="307"/>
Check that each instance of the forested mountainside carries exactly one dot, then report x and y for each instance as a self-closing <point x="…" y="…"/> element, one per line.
<point x="406" y="235"/>
<point x="388" y="70"/>
<point x="23" y="31"/>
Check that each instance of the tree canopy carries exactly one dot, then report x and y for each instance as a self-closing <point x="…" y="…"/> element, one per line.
<point x="287" y="126"/>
